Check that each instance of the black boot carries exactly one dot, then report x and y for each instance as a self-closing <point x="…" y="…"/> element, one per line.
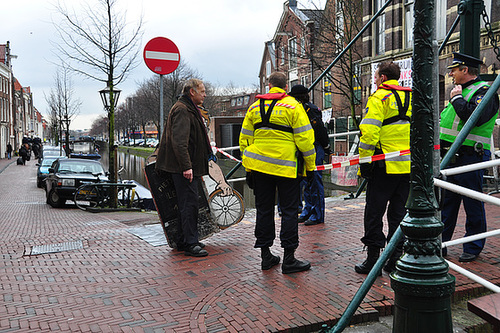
<point x="366" y="266"/>
<point x="391" y="263"/>
<point x="268" y="259"/>
<point x="292" y="265"/>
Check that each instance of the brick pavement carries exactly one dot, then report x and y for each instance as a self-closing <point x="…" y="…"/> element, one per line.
<point x="117" y="282"/>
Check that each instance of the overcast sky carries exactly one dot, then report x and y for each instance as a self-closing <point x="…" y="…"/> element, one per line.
<point x="221" y="39"/>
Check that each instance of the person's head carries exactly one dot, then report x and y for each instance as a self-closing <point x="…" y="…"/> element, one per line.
<point x="195" y="89"/>
<point x="464" y="68"/>
<point x="278" y="79"/>
<point x="387" y="70"/>
<point x="300" y="93"/>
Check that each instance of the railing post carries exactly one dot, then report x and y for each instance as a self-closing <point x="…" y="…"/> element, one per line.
<point x="421" y="282"/>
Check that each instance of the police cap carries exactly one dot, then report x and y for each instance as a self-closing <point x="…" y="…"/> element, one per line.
<point x="464" y="59"/>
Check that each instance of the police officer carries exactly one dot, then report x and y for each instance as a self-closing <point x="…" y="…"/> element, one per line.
<point x="385" y="128"/>
<point x="275" y="129"/>
<point x="464" y="98"/>
<point x="314" y="191"/>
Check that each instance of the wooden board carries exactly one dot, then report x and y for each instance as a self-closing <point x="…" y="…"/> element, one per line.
<point x="163" y="191"/>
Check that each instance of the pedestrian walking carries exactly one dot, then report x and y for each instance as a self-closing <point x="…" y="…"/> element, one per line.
<point x="183" y="152"/>
<point x="274" y="132"/>
<point x="385" y="128"/>
<point x="468" y="92"/>
<point x="313" y="211"/>
<point x="9" y="150"/>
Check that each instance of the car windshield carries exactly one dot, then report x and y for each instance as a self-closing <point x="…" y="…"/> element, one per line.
<point x="47" y="162"/>
<point x="73" y="166"/>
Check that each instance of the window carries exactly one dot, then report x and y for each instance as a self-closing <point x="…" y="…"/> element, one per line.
<point x="409" y="22"/>
<point x="356" y="84"/>
<point x="327" y="93"/>
<point x="268" y="68"/>
<point x="246" y="99"/>
<point x="233" y="102"/>
<point x="302" y="46"/>
<point x="440" y="19"/>
<point x="339" y="29"/>
<point x="379" y="33"/>
<point x="282" y="57"/>
<point x="239" y="101"/>
<point x="292" y="52"/>
<point x="303" y="80"/>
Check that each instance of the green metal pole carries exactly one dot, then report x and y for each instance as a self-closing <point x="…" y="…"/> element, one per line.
<point x="421" y="283"/>
<point x="470" y="26"/>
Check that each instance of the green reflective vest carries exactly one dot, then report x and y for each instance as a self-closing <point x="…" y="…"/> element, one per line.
<point x="451" y="124"/>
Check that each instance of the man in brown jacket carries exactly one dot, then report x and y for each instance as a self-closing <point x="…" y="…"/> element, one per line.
<point x="184" y="150"/>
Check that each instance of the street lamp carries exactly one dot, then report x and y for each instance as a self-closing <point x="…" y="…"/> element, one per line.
<point x="106" y="97"/>
<point x="109" y="97"/>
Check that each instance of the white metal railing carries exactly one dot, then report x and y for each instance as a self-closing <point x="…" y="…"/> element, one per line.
<point x="474" y="195"/>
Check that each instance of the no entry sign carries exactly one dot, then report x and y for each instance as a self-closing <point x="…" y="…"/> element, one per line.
<point x="161" y="55"/>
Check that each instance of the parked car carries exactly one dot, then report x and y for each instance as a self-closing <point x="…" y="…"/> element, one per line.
<point x="51" y="151"/>
<point x="66" y="175"/>
<point x="43" y="169"/>
<point x="152" y="142"/>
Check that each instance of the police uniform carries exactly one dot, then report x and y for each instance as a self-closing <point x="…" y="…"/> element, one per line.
<point x="475" y="148"/>
<point x="275" y="130"/>
<point x="385" y="128"/>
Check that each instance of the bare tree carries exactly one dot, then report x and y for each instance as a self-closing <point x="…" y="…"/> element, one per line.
<point x="62" y="104"/>
<point x="147" y="97"/>
<point x="334" y="27"/>
<point x="97" y="45"/>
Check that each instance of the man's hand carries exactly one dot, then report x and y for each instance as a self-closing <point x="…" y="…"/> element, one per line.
<point x="366" y="170"/>
<point x="188" y="174"/>
<point x="309" y="177"/>
<point x="225" y="188"/>
<point x="457" y="90"/>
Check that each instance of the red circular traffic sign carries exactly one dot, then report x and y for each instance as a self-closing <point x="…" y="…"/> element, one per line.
<point x="161" y="55"/>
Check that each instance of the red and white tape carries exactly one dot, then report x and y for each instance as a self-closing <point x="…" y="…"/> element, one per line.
<point x="367" y="159"/>
<point x="353" y="161"/>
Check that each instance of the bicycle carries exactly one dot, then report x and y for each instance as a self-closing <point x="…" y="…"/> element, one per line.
<point x="97" y="196"/>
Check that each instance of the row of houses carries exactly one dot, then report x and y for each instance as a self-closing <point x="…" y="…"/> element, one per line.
<point x="307" y="41"/>
<point x="19" y="118"/>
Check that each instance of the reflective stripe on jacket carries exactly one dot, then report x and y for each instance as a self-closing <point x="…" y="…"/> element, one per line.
<point x="274" y="151"/>
<point x="451" y="124"/>
<point x="388" y="138"/>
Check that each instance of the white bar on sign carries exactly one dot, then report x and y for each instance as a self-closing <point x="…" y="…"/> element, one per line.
<point x="162" y="55"/>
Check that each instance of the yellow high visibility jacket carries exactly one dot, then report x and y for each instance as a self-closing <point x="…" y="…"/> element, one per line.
<point x="272" y="147"/>
<point x="389" y="136"/>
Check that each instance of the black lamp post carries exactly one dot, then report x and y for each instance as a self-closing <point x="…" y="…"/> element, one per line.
<point x="109" y="97"/>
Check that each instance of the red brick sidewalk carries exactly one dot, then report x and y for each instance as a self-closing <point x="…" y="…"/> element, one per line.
<point x="117" y="282"/>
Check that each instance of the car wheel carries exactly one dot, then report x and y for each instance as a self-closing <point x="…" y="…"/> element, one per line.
<point x="54" y="200"/>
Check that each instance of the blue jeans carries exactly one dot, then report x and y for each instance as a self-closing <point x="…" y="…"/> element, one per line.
<point x="314" y="192"/>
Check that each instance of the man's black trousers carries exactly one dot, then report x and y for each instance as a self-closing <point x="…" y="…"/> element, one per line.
<point x="265" y="199"/>
<point x="384" y="192"/>
<point x="187" y="200"/>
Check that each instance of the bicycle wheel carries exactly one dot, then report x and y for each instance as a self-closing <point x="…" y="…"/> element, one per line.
<point x="86" y="196"/>
<point x="227" y="210"/>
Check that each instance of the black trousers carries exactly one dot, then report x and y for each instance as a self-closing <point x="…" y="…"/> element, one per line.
<point x="187" y="200"/>
<point x="384" y="189"/>
<point x="265" y="198"/>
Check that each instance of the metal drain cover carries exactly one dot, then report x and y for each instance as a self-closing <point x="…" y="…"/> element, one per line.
<point x="53" y="248"/>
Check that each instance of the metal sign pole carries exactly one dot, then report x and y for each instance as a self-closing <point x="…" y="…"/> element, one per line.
<point x="161" y="106"/>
